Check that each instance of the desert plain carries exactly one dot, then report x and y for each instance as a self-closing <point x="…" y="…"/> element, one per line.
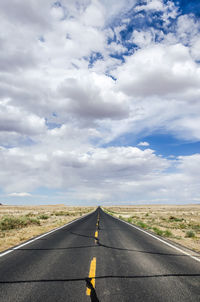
<point x="20" y="223"/>
<point x="178" y="223"/>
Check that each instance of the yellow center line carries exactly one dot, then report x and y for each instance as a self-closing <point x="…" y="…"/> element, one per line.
<point x="92" y="275"/>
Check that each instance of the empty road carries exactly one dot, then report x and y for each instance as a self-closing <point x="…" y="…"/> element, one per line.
<point x="98" y="258"/>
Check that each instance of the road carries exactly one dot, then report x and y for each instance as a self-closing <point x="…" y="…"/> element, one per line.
<point x="128" y="265"/>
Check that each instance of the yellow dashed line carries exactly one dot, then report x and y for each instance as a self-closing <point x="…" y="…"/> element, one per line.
<point x="97" y="224"/>
<point x="92" y="275"/>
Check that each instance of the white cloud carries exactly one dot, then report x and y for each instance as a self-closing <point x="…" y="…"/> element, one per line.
<point x="168" y="9"/>
<point x="187" y="28"/>
<point x="20" y="194"/>
<point x="31" y="12"/>
<point x="66" y="167"/>
<point x="195" y="48"/>
<point x="94" y="14"/>
<point x="136" y="175"/>
<point x="151" y="5"/>
<point x="144" y="144"/>
<point x="162" y="83"/>
<point x="158" y="70"/>
<point x="115" y="48"/>
<point x="142" y="38"/>
<point x="115" y="9"/>
<point x="92" y="96"/>
<point x="45" y="82"/>
<point x="16" y="119"/>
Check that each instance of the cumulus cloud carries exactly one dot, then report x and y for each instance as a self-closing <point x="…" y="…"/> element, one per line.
<point x="162" y="82"/>
<point x="59" y="168"/>
<point x="91" y="175"/>
<point x="93" y="96"/>
<point x="74" y="80"/>
<point x="119" y="8"/>
<point x="142" y="38"/>
<point x="29" y="13"/>
<point x="158" y="70"/>
<point x="15" y="119"/>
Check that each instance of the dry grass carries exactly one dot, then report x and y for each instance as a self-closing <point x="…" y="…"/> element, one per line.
<point x="180" y="223"/>
<point x="20" y="223"/>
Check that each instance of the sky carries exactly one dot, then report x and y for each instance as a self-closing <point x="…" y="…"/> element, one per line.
<point x="99" y="102"/>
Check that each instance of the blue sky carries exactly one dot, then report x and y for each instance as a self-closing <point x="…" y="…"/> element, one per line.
<point x="187" y="7"/>
<point x="99" y="102"/>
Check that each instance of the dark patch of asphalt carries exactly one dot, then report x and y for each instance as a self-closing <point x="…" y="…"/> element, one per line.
<point x="130" y="266"/>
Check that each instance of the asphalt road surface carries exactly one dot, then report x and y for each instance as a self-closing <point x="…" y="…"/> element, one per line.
<point x="128" y="265"/>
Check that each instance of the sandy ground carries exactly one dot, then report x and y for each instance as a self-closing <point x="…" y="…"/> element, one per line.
<point x="177" y="222"/>
<point x="57" y="215"/>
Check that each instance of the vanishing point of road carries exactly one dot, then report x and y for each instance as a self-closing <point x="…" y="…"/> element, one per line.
<point x="98" y="258"/>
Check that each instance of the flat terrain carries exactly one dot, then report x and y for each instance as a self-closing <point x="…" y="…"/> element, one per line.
<point x="19" y="223"/>
<point x="180" y="223"/>
<point x="124" y="264"/>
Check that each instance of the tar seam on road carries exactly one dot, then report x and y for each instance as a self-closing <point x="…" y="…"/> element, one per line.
<point x="163" y="241"/>
<point x="93" y="295"/>
<point x="41" y="236"/>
